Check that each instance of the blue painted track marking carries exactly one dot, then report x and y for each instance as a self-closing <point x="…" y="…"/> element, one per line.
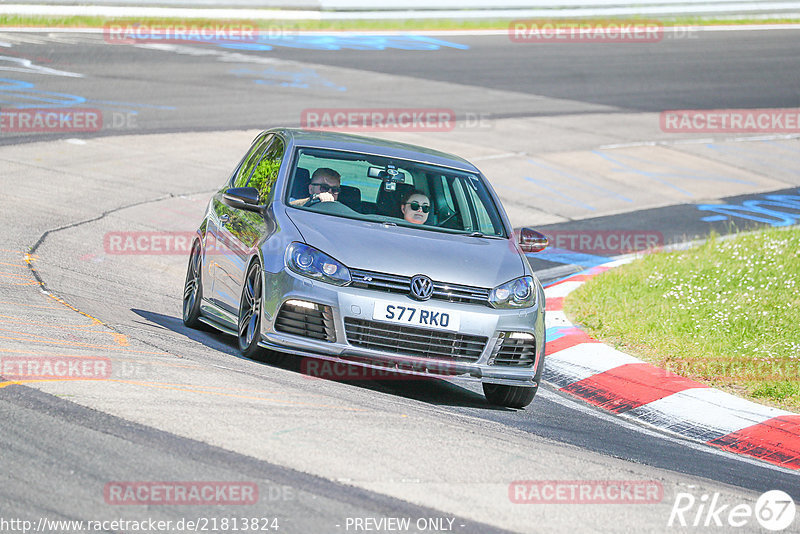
<point x="24" y="95"/>
<point x="306" y="78"/>
<point x="345" y="42"/>
<point x="555" y="332"/>
<point x="527" y="193"/>
<point x="606" y="192"/>
<point x="570" y="201"/>
<point x="769" y="210"/>
<point x="569" y="257"/>
<point x="782" y="146"/>
<point x="690" y="173"/>
<point x="664" y="177"/>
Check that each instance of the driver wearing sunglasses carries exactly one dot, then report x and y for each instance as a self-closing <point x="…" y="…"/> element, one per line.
<point x="324" y="187"/>
<point x="415" y="206"/>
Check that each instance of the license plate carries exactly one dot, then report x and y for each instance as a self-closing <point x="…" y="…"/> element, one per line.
<point x="413" y="315"/>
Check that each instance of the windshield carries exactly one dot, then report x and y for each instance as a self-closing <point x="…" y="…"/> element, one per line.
<point x="402" y="192"/>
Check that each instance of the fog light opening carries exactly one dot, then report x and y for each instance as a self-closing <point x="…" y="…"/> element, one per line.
<point x="301" y="304"/>
<point x="521" y="335"/>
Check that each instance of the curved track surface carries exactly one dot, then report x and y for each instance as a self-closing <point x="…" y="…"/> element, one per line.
<point x="559" y="131"/>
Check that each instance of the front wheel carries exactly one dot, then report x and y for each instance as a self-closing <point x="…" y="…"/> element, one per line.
<point x="193" y="290"/>
<point x="509" y="396"/>
<point x="250" y="313"/>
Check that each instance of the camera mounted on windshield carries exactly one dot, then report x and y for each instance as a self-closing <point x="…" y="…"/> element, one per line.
<point x="390" y="176"/>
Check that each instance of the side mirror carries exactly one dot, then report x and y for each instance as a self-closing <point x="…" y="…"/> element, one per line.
<point x="531" y="241"/>
<point x="243" y="198"/>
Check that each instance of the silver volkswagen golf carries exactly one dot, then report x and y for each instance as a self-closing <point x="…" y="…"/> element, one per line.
<point x="371" y="253"/>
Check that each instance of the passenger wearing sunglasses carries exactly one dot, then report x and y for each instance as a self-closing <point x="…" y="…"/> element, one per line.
<point x="415" y="207"/>
<point x="324" y="187"/>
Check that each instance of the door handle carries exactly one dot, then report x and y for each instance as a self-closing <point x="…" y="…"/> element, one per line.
<point x="224" y="218"/>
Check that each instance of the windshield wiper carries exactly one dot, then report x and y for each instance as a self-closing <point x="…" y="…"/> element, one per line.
<point x="479" y="234"/>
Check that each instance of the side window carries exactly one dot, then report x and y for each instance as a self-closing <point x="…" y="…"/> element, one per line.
<point x="241" y="178"/>
<point x="463" y="205"/>
<point x="448" y="199"/>
<point x="266" y="171"/>
<point x="485" y="225"/>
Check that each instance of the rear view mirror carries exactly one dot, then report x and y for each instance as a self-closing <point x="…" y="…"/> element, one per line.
<point x="531" y="241"/>
<point x="389" y="174"/>
<point x="243" y="198"/>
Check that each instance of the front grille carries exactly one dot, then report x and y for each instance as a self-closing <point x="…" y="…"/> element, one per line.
<point x="514" y="349"/>
<point x="391" y="283"/>
<point x="412" y="341"/>
<point x="306" y="319"/>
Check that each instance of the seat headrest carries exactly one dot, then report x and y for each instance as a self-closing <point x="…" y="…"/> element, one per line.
<point x="351" y="197"/>
<point x="300" y="184"/>
<point x="389" y="201"/>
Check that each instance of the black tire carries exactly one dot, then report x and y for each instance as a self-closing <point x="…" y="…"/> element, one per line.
<point x="514" y="396"/>
<point x="249" y="326"/>
<point x="193" y="290"/>
<point x="509" y="396"/>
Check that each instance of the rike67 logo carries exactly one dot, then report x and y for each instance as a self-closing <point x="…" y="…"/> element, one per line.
<point x="774" y="510"/>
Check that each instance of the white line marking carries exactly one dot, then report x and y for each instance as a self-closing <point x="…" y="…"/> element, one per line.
<point x="649" y="430"/>
<point x="561" y="290"/>
<point x="588" y="359"/>
<point x="289" y="15"/>
<point x="556" y="318"/>
<point x="501" y="156"/>
<point x="708" y="408"/>
<point x="703" y="141"/>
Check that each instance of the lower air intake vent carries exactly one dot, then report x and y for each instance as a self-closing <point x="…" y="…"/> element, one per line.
<point x="306" y="319"/>
<point x="514" y="348"/>
<point x="412" y="341"/>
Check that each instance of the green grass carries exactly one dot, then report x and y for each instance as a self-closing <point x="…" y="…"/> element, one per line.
<point x="726" y="313"/>
<point x="366" y="25"/>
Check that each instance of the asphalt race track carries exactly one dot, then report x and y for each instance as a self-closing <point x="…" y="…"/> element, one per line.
<point x="569" y="134"/>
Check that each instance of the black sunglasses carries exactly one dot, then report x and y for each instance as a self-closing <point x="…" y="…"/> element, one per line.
<point x="416" y="206"/>
<point x="325" y="188"/>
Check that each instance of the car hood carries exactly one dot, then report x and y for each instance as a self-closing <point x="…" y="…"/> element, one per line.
<point x="444" y="257"/>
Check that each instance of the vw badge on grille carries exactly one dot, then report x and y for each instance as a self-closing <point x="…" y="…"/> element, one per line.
<point x="421" y="287"/>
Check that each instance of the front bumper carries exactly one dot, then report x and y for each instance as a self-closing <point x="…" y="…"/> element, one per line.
<point x="358" y="304"/>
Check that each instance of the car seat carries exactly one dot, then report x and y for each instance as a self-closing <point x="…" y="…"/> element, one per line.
<point x="351" y="197"/>
<point x="302" y="178"/>
<point x="388" y="202"/>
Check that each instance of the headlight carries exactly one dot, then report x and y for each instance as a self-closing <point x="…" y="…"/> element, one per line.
<point x="310" y="262"/>
<point x="519" y="293"/>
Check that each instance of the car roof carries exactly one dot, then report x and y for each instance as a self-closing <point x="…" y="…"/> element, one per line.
<point x="372" y="145"/>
